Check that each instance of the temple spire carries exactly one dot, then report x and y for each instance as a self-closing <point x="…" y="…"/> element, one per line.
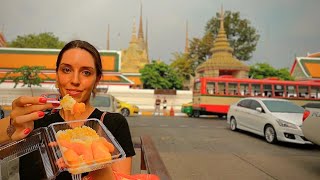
<point x="140" y="33"/>
<point x="221" y="46"/>
<point x="222" y="61"/>
<point x="222" y="19"/>
<point x="133" y="35"/>
<point x="147" y="48"/>
<point x="186" y="48"/>
<point x="108" y="38"/>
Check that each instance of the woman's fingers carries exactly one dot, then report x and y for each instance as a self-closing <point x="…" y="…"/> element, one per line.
<point x="17" y="111"/>
<point x="25" y="100"/>
<point x="28" y="117"/>
<point x="22" y="132"/>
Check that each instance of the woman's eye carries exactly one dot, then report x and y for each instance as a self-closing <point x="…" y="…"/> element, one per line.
<point x="86" y="73"/>
<point x="66" y="70"/>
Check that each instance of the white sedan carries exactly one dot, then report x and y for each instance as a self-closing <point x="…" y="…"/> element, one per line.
<point x="311" y="124"/>
<point x="275" y="119"/>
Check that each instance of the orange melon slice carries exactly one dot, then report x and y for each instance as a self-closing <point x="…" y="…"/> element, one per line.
<point x="109" y="145"/>
<point x="100" y="152"/>
<point x="72" y="158"/>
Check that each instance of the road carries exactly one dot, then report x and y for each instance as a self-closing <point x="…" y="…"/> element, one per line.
<point x="204" y="148"/>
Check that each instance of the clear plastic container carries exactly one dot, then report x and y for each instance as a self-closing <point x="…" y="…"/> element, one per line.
<point x="39" y="141"/>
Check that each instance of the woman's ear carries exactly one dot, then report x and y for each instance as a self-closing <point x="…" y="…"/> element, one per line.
<point x="97" y="81"/>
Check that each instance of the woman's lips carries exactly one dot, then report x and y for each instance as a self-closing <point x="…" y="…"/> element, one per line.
<point x="73" y="92"/>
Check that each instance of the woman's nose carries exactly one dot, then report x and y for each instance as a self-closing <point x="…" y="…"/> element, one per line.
<point x="75" y="79"/>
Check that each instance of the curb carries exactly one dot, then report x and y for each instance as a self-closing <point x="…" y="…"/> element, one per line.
<point x="149" y="113"/>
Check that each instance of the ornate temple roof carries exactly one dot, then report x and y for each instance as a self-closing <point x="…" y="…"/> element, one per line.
<point x="306" y="67"/>
<point x="222" y="57"/>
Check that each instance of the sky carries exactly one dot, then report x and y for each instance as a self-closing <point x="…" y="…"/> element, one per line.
<point x="287" y="28"/>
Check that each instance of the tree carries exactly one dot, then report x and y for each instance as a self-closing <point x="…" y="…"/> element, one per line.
<point x="184" y="67"/>
<point x="159" y="75"/>
<point x="242" y="37"/>
<point x="265" y="70"/>
<point x="27" y="75"/>
<point x="42" y="40"/>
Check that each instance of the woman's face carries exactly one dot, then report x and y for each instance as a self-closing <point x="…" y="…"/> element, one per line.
<point x="76" y="74"/>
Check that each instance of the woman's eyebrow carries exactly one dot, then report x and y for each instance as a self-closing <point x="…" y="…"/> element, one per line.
<point x="83" y="67"/>
<point x="87" y="67"/>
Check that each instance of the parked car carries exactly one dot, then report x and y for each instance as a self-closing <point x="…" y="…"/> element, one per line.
<point x="311" y="123"/>
<point x="275" y="119"/>
<point x="312" y="105"/>
<point x="104" y="102"/>
<point x="187" y="108"/>
<point x="1" y="113"/>
<point x="126" y="109"/>
<point x="52" y="96"/>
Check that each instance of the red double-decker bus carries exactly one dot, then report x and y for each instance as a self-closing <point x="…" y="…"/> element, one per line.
<point x="213" y="96"/>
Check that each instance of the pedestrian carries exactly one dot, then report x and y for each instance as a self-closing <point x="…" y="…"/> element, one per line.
<point x="78" y="72"/>
<point x="157" y="106"/>
<point x="164" y="105"/>
<point x="1" y="113"/>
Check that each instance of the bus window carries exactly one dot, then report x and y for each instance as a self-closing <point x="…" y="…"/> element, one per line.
<point x="291" y="92"/>
<point x="232" y="89"/>
<point x="256" y="91"/>
<point x="267" y="89"/>
<point x="303" y="91"/>
<point x="315" y="92"/>
<point x="221" y="88"/>
<point x="244" y="89"/>
<point x="197" y="86"/>
<point x="278" y="90"/>
<point x="210" y="88"/>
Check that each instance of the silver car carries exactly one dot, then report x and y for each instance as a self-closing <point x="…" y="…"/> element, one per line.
<point x="275" y="119"/>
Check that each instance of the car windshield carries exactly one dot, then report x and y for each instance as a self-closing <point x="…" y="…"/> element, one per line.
<point x="282" y="106"/>
<point x="100" y="101"/>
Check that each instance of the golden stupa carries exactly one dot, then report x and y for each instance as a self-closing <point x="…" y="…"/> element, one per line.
<point x="135" y="57"/>
<point x="222" y="61"/>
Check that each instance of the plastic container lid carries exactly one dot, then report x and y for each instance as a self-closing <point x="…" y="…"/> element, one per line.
<point x="81" y="149"/>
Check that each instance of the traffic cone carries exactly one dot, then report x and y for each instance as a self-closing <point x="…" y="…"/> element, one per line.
<point x="171" y="111"/>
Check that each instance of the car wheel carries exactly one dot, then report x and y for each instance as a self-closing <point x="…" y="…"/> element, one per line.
<point x="125" y="112"/>
<point x="190" y="115"/>
<point x="270" y="134"/>
<point x="196" y="113"/>
<point x="233" y="124"/>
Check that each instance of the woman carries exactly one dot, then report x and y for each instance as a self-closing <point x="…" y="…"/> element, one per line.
<point x="78" y="72"/>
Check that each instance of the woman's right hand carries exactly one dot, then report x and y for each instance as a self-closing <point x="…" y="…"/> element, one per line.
<point x="25" y="110"/>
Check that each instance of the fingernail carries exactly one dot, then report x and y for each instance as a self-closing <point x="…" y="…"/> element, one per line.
<point x="40" y="114"/>
<point x="42" y="99"/>
<point x="56" y="104"/>
<point x="27" y="131"/>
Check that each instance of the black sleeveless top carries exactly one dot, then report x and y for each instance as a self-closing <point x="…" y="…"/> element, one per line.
<point x="31" y="166"/>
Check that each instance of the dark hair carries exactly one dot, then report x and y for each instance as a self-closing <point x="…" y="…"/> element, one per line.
<point x="85" y="46"/>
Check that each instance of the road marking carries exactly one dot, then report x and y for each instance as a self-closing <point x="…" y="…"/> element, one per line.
<point x="203" y="126"/>
<point x="164" y="125"/>
<point x="183" y="126"/>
